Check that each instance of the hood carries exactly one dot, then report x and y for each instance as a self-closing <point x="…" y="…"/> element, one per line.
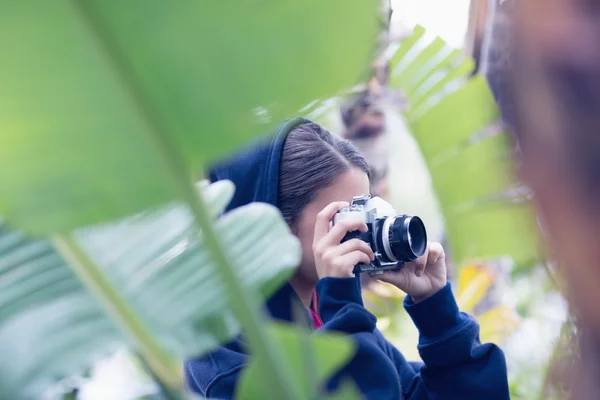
<point x="255" y="172"/>
<point x="255" y="169"/>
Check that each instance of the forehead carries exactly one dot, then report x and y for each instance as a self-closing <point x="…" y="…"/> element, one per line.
<point x="347" y="185"/>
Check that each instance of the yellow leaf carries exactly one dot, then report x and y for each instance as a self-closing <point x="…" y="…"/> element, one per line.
<point x="386" y="290"/>
<point x="473" y="283"/>
<point x="498" y="323"/>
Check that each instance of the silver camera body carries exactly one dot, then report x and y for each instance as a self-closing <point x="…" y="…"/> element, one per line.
<point x="394" y="239"/>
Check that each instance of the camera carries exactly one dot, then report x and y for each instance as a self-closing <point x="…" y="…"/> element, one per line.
<point x="394" y="238"/>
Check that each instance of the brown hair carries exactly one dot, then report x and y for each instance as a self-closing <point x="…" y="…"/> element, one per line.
<point x="312" y="158"/>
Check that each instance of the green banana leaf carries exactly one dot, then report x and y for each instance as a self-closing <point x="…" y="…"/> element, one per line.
<point x="51" y="327"/>
<point x="107" y="106"/>
<point x="408" y="77"/>
<point x="456" y="123"/>
<point x="458" y="67"/>
<point x="111" y="109"/>
<point x="304" y="350"/>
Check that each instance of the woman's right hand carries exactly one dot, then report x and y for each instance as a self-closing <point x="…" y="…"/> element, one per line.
<point x="332" y="258"/>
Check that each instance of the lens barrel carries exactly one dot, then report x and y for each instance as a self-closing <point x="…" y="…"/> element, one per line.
<point x="402" y="238"/>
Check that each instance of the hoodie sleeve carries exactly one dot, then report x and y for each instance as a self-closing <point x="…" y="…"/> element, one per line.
<point x="215" y="375"/>
<point x="456" y="365"/>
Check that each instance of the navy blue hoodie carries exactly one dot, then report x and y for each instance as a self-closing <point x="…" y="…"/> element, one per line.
<point x="456" y="365"/>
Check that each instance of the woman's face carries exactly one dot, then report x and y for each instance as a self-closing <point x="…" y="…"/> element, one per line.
<point x="349" y="184"/>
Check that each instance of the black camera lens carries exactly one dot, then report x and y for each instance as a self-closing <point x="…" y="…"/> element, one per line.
<point x="403" y="238"/>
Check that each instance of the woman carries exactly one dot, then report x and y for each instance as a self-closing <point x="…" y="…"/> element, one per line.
<point x="309" y="174"/>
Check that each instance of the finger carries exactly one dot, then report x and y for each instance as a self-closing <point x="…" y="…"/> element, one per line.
<point x="436" y="253"/>
<point x="352" y="245"/>
<point x="419" y="264"/>
<point x="397" y="278"/>
<point x="349" y="260"/>
<point x="324" y="218"/>
<point x="423" y="259"/>
<point x="339" y="230"/>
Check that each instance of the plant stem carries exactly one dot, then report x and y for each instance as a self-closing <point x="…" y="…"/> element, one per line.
<point x="162" y="363"/>
<point x="244" y="302"/>
<point x="164" y="392"/>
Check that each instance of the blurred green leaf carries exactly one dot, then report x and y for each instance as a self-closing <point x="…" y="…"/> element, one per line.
<point x="455" y="121"/>
<point x="409" y="77"/>
<point x="71" y="395"/>
<point x="100" y="98"/>
<point x="487" y="170"/>
<point x="493" y="231"/>
<point x="455" y="118"/>
<point x="439" y="62"/>
<point x="51" y="327"/>
<point x="329" y="352"/>
<point x="348" y="390"/>
<point x="402" y="56"/>
<point x="436" y="82"/>
<point x="111" y="109"/>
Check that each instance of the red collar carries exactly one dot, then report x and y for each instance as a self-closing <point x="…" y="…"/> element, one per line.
<point x="314" y="310"/>
<point x="317" y="320"/>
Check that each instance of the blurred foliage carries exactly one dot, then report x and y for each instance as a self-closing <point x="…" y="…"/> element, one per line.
<point x="312" y="358"/>
<point x="112" y="109"/>
<point x="92" y="83"/>
<point x="496" y="323"/>
<point x="45" y="308"/>
<point x="474" y="281"/>
<point x="456" y="123"/>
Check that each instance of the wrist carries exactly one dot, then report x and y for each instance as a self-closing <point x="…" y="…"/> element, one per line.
<point x="335" y="294"/>
<point x="336" y="274"/>
<point x="419" y="297"/>
<point x="436" y="316"/>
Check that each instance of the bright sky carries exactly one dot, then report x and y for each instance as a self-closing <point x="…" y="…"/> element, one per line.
<point x="445" y="18"/>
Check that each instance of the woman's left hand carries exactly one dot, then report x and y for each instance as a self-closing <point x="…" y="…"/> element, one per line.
<point x="424" y="277"/>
